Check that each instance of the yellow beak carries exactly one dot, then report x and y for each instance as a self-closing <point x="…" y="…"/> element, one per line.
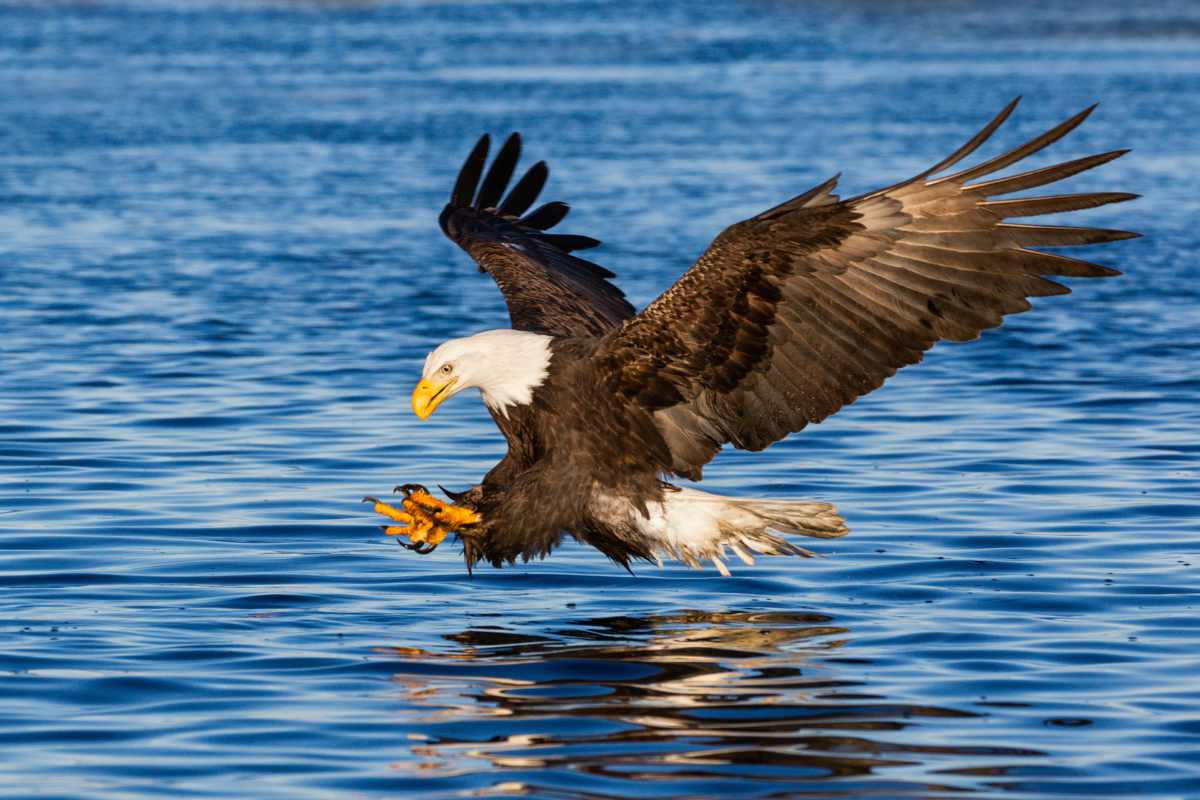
<point x="429" y="395"/>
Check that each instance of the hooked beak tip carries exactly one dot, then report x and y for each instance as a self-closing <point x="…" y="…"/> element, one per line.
<point x="427" y="397"/>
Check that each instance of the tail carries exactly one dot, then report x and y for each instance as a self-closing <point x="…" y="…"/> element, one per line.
<point x="695" y="526"/>
<point x="802" y="517"/>
<point x="749" y="528"/>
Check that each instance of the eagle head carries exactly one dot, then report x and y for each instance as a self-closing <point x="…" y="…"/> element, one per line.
<point x="504" y="365"/>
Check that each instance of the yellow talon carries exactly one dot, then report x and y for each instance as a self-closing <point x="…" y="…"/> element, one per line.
<point x="425" y="519"/>
<point x="383" y="508"/>
<point x="450" y="516"/>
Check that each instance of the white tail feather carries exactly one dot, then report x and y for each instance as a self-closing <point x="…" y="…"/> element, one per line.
<point x="807" y="518"/>
<point x="694" y="526"/>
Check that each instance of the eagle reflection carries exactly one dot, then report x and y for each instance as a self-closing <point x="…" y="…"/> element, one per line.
<point x="720" y="703"/>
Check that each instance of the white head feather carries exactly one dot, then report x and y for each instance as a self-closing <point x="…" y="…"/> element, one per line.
<point x="504" y="365"/>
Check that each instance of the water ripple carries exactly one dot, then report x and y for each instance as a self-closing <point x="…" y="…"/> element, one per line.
<point x="219" y="272"/>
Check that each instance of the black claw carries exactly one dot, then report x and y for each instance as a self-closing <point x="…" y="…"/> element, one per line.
<point x="409" y="488"/>
<point x="369" y="499"/>
<point x="454" y="496"/>
<point x="420" y="548"/>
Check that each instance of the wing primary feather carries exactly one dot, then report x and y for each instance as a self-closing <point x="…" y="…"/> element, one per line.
<point x="975" y="141"/>
<point x="1010" y="261"/>
<point x="526" y="191"/>
<point x="1051" y="204"/>
<point x="568" y="242"/>
<point x="1016" y="154"/>
<point x="1060" y="236"/>
<point x="1043" y="176"/>
<point x="468" y="176"/>
<point x="545" y="217"/>
<point x="594" y="269"/>
<point x="500" y="173"/>
<point x="958" y="155"/>
<point x="1057" y="264"/>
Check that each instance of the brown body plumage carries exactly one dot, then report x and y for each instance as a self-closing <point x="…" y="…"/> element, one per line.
<point x="785" y="318"/>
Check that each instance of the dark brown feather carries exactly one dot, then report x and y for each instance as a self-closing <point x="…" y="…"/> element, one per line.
<point x="525" y="192"/>
<point x="499" y="174"/>
<point x="468" y="177"/>
<point x="545" y="217"/>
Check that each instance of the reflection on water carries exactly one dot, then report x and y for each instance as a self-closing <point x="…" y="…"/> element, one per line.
<point x="694" y="697"/>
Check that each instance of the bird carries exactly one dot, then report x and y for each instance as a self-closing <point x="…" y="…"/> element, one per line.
<point x="784" y="319"/>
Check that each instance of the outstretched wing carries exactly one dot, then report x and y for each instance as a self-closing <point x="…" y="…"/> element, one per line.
<point x="791" y="315"/>
<point x="547" y="289"/>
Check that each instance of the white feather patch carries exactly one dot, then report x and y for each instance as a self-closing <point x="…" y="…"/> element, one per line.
<point x="695" y="526"/>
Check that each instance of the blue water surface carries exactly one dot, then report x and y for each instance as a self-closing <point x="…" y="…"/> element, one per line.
<point x="220" y="269"/>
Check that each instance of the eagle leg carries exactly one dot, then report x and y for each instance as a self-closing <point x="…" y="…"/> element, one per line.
<point x="425" y="520"/>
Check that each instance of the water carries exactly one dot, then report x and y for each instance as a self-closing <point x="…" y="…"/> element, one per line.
<point x="219" y="270"/>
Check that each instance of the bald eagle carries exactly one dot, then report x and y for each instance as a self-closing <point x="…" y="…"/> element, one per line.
<point x="784" y="319"/>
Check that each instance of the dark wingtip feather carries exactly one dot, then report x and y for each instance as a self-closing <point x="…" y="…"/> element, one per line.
<point x="468" y="175"/>
<point x="526" y="191"/>
<point x="569" y="241"/>
<point x="545" y="217"/>
<point x="607" y="273"/>
<point x="500" y="173"/>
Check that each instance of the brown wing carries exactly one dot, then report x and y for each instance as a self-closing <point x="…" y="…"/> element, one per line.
<point x="791" y="315"/>
<point x="547" y="289"/>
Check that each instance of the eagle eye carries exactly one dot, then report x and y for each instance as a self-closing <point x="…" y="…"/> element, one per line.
<point x="446" y="369"/>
